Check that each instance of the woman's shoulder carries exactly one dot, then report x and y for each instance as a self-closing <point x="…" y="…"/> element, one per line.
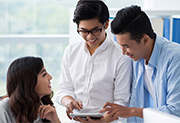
<point x="4" y="102"/>
<point x="4" y="105"/>
<point x="5" y="112"/>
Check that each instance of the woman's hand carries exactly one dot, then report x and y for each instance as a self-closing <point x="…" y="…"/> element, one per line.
<point x="48" y="112"/>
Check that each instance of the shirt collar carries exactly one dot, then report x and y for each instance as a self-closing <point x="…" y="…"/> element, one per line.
<point x="156" y="52"/>
<point x="102" y="47"/>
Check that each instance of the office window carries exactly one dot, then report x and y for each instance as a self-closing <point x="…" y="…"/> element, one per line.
<point x="51" y="54"/>
<point x="33" y="17"/>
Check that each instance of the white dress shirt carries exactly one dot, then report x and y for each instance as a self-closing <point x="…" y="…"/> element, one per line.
<point x="94" y="80"/>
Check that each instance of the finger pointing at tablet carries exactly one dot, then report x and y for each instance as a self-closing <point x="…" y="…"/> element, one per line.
<point x="71" y="104"/>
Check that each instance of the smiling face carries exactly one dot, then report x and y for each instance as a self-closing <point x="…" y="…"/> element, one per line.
<point x="43" y="86"/>
<point x="93" y="41"/>
<point x="131" y="48"/>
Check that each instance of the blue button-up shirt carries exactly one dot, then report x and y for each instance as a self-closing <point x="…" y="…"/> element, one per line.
<point x="165" y="62"/>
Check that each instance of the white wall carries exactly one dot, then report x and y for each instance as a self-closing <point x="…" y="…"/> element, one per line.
<point x="161" y="4"/>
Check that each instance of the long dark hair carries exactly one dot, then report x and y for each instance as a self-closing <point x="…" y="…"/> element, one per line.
<point x="21" y="81"/>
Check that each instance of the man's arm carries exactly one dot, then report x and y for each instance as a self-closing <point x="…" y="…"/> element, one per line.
<point x="123" y="81"/>
<point x="172" y="103"/>
<point x="71" y="104"/>
<point x="65" y="92"/>
<point x="65" y="86"/>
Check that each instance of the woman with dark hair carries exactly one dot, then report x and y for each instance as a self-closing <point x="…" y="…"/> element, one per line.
<point x="29" y="93"/>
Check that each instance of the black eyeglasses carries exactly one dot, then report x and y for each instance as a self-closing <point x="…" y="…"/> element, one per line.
<point x="95" y="32"/>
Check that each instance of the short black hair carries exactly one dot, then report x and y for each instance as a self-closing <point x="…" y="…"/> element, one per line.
<point x="134" y="21"/>
<point x="90" y="9"/>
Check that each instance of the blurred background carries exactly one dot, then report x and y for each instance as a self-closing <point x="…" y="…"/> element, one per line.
<point x="42" y="28"/>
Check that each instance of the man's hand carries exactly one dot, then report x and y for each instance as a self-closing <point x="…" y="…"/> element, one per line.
<point x="89" y="120"/>
<point x="71" y="106"/>
<point x="108" y="118"/>
<point x="115" y="111"/>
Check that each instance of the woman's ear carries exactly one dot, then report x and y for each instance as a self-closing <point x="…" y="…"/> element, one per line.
<point x="106" y="24"/>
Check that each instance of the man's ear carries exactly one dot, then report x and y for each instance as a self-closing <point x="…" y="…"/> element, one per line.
<point x="106" y="24"/>
<point x="146" y="39"/>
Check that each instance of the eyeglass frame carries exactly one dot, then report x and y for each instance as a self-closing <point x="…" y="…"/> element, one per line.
<point x="78" y="30"/>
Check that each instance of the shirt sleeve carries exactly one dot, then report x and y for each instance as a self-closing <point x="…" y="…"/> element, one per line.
<point x="65" y="86"/>
<point x="4" y="118"/>
<point x="5" y="112"/>
<point x="123" y="81"/>
<point x="172" y="87"/>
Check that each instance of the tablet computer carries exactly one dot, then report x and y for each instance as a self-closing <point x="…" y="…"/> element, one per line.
<point x="93" y="116"/>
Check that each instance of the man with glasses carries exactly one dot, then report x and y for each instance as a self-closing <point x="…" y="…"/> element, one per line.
<point x="156" y="66"/>
<point x="94" y="70"/>
<point x="95" y="31"/>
